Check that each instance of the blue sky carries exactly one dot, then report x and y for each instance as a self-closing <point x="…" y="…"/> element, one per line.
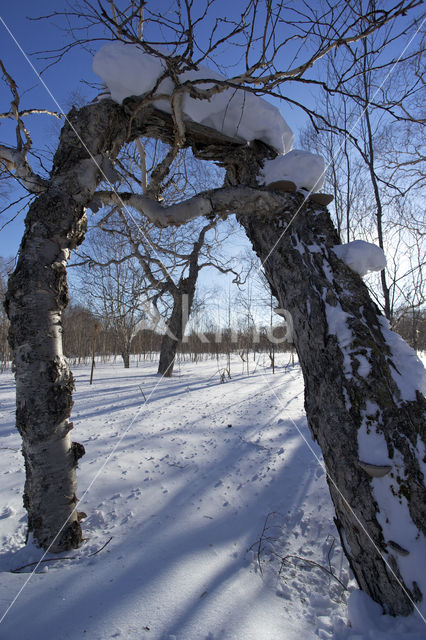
<point x="63" y="79"/>
<point x="18" y="52"/>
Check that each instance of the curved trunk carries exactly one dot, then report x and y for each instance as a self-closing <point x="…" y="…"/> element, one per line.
<point x="366" y="415"/>
<point x="37" y="294"/>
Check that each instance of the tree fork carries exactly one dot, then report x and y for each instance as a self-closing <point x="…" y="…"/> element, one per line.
<point x="314" y="285"/>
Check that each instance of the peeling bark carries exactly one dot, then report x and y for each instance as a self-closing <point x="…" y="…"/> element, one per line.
<point x="37" y="295"/>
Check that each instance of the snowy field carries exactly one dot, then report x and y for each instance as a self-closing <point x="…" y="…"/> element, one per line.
<point x="208" y="518"/>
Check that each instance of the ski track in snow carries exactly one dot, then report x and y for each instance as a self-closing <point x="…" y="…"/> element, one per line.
<point x="188" y="487"/>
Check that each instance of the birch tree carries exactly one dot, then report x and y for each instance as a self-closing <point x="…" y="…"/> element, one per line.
<point x="358" y="387"/>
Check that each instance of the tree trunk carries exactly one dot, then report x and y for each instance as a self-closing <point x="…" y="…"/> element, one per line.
<point x="125" y="354"/>
<point x="167" y="355"/>
<point x="37" y="295"/>
<point x="366" y="415"/>
<point x="174" y="334"/>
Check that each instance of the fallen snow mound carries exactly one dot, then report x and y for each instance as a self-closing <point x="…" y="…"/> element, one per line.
<point x="128" y="71"/>
<point x="362" y="257"/>
<point x="306" y="170"/>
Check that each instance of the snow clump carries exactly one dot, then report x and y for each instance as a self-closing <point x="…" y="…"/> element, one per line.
<point x="362" y="257"/>
<point x="305" y="169"/>
<point x="127" y="70"/>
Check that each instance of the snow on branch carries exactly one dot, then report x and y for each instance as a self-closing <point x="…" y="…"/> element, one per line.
<point x="306" y="170"/>
<point x="204" y="96"/>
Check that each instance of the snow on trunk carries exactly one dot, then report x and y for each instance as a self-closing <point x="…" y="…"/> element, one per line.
<point x="370" y="426"/>
<point x="362" y="257"/>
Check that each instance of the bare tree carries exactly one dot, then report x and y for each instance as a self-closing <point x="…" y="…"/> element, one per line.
<point x="381" y="161"/>
<point x="170" y="259"/>
<point x="115" y="288"/>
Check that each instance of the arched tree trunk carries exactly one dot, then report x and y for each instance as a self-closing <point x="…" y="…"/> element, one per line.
<point x="368" y="420"/>
<point x="366" y="414"/>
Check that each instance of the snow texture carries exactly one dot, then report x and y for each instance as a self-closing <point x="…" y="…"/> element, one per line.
<point x="306" y="170"/>
<point x="394" y="518"/>
<point x="338" y="326"/>
<point x="190" y="480"/>
<point x="128" y="71"/>
<point x="362" y="257"/>
<point x="410" y="374"/>
<point x="372" y="447"/>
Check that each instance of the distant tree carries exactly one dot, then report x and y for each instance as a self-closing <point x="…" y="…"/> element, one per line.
<point x="115" y="288"/>
<point x="79" y="327"/>
<point x="376" y="155"/>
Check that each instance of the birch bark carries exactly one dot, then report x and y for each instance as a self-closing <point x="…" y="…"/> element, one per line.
<point x="352" y="401"/>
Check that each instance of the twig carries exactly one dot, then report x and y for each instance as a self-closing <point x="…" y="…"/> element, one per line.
<point x="95" y="552"/>
<point x="313" y="564"/>
<point x="32" y="564"/>
<point x="144" y="397"/>
<point x="263" y="538"/>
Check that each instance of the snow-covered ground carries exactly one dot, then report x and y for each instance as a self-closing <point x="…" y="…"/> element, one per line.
<point x="194" y="498"/>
